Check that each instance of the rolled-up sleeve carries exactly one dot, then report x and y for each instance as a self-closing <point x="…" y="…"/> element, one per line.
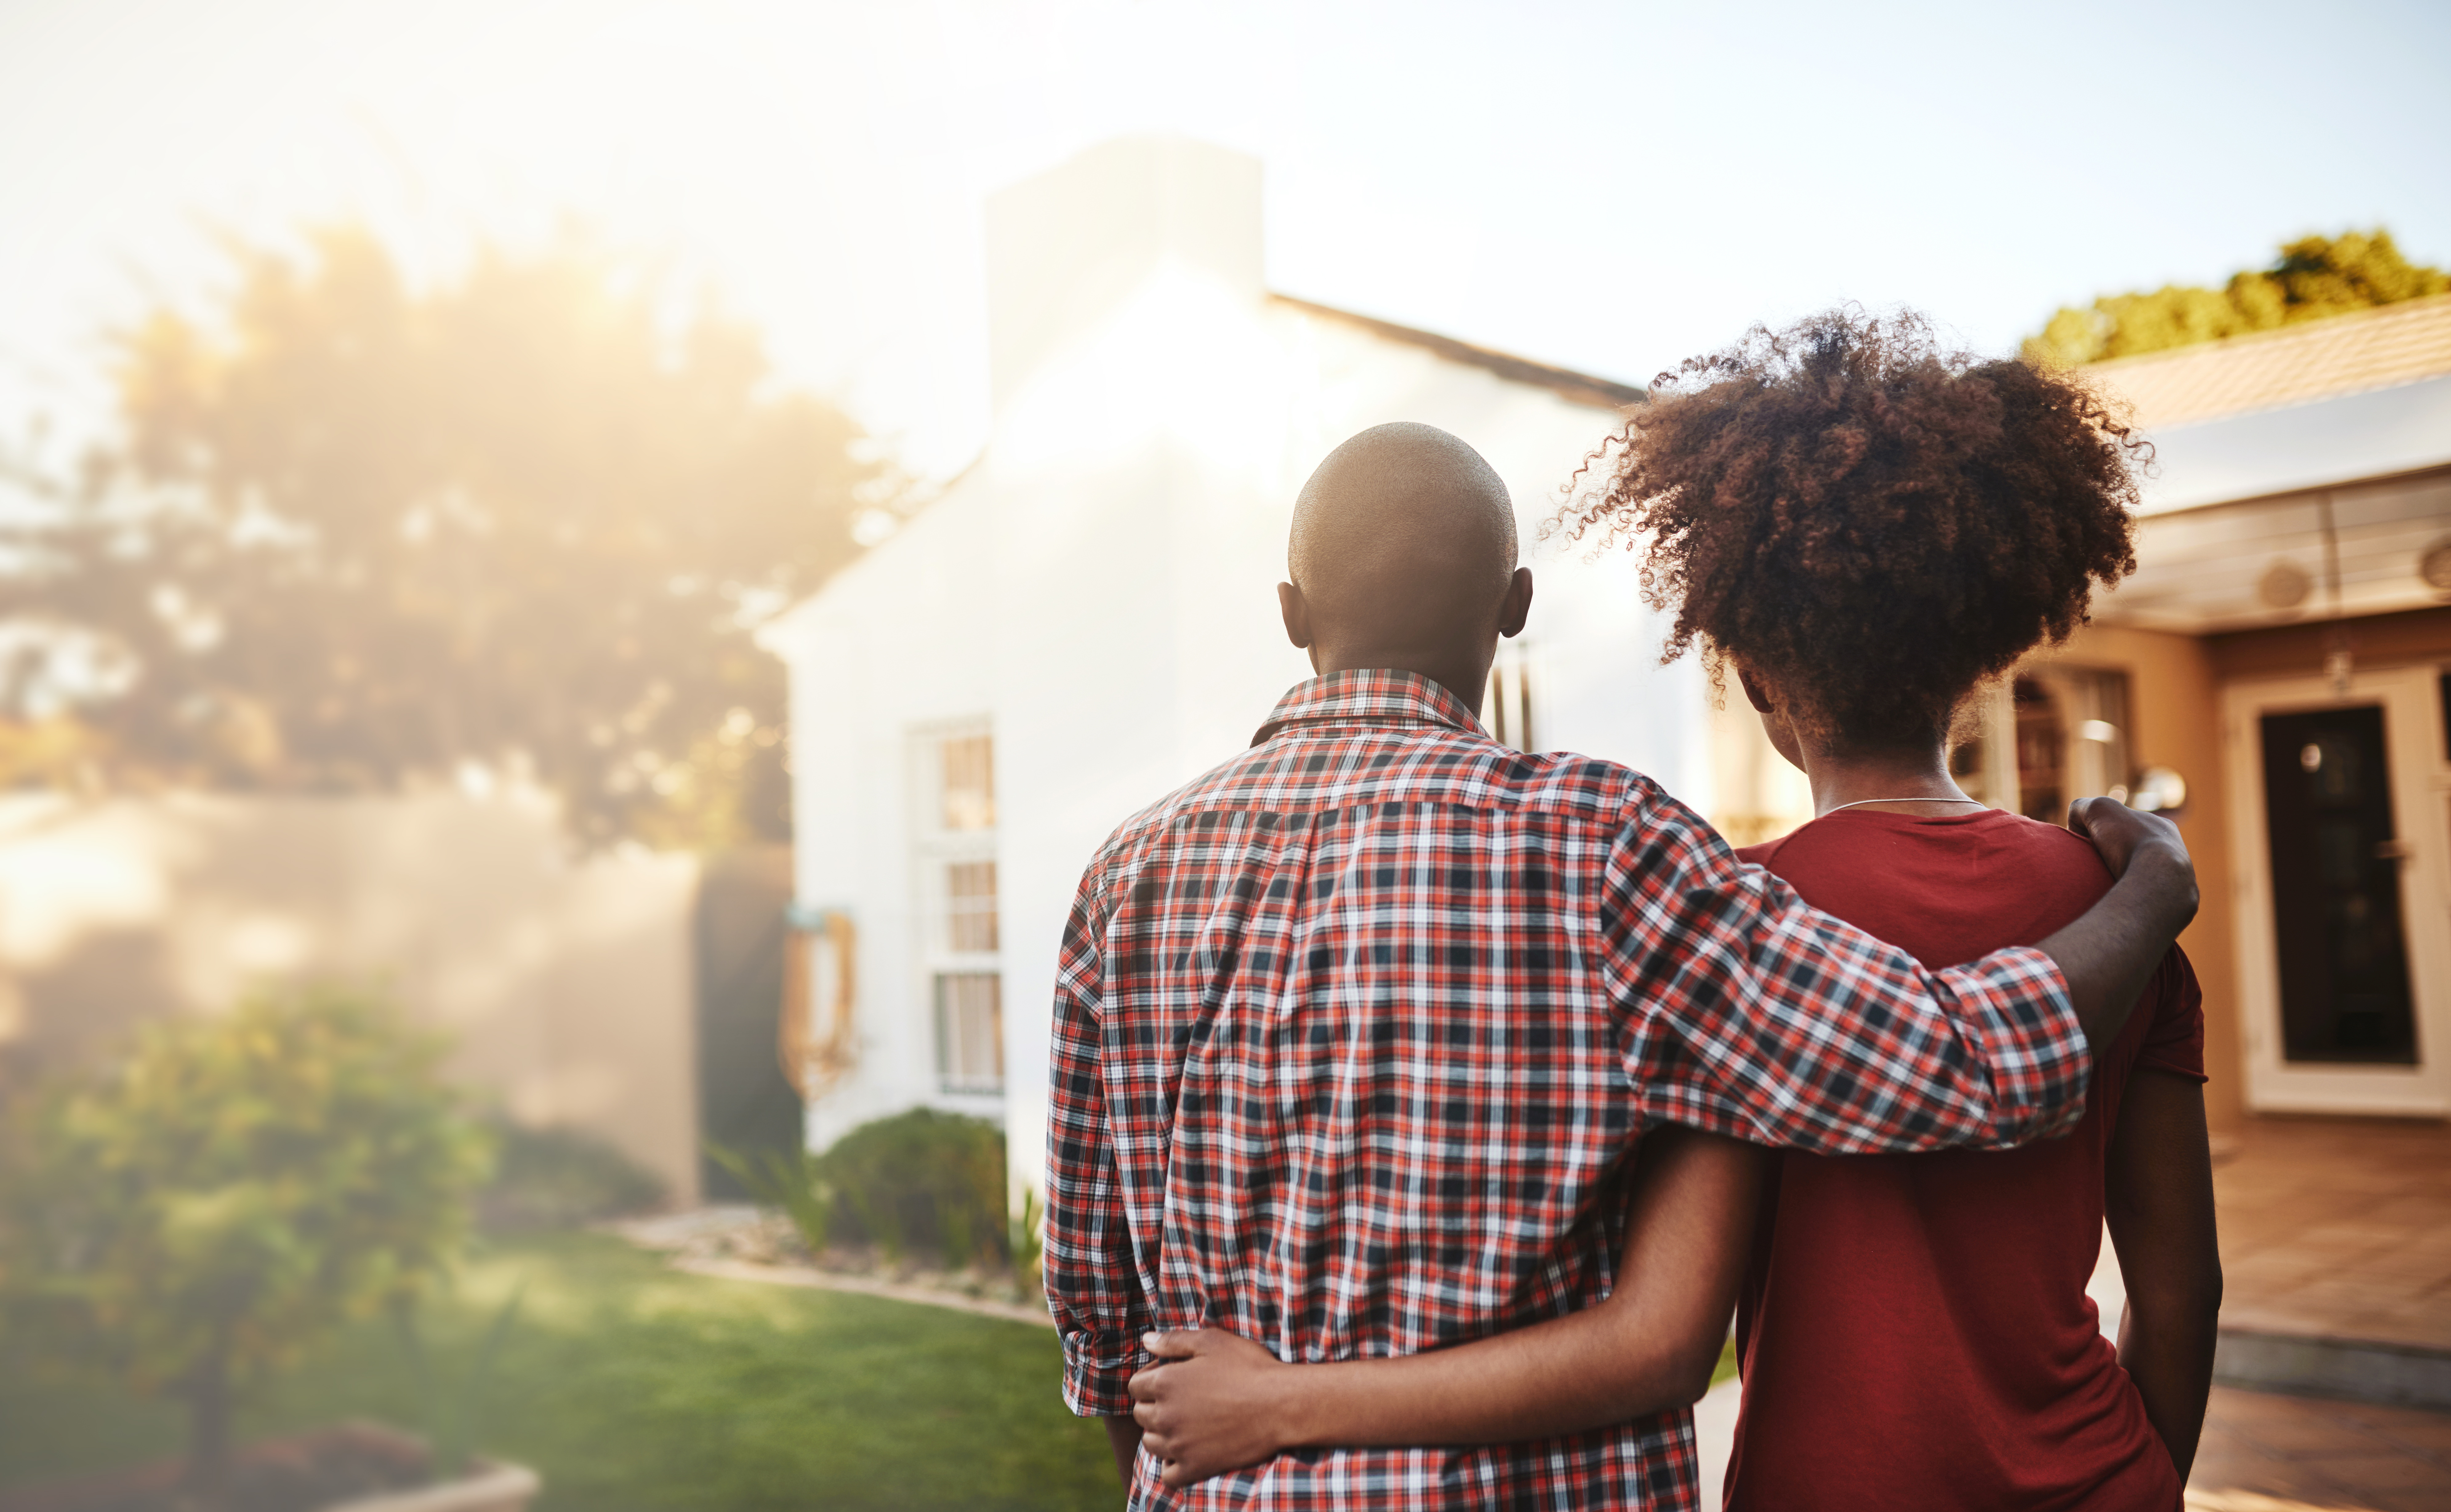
<point x="1093" y="1284"/>
<point x="1748" y="1013"/>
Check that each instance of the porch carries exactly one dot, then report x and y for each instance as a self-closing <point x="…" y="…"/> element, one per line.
<point x="2335" y="1365"/>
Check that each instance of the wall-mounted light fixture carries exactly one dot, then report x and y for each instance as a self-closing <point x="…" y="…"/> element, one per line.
<point x="2435" y="566"/>
<point x="2283" y="586"/>
<point x="2159" y="790"/>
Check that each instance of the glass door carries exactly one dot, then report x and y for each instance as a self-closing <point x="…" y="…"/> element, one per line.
<point x="2337" y="918"/>
<point x="2339" y="832"/>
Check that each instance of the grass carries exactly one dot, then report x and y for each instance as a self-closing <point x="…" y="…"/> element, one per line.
<point x="634" y="1388"/>
<point x="1726" y="1368"/>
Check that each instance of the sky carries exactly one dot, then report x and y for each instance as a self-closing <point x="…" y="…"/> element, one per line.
<point x="1609" y="188"/>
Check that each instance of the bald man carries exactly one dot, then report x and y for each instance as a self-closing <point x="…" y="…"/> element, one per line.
<point x="1355" y="1035"/>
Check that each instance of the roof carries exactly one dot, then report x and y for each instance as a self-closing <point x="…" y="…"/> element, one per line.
<point x="2345" y="354"/>
<point x="1581" y="388"/>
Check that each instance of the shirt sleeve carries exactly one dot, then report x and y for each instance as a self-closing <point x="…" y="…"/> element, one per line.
<point x="2175" y="1043"/>
<point x="1092" y="1282"/>
<point x="1750" y="1013"/>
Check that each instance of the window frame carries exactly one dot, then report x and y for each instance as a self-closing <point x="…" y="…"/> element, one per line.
<point x="936" y="850"/>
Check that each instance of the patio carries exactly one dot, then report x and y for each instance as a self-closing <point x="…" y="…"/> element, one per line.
<point x="2336" y="1324"/>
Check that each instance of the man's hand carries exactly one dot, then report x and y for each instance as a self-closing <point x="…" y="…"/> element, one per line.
<point x="1211" y="1404"/>
<point x="2108" y="955"/>
<point x="2119" y="832"/>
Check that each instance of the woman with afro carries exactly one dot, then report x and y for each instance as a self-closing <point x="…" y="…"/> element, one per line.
<point x="1865" y="530"/>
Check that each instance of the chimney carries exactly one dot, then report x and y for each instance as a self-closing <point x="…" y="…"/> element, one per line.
<point x="1069" y="246"/>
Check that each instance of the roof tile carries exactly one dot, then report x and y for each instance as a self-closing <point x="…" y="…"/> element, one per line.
<point x="2297" y="364"/>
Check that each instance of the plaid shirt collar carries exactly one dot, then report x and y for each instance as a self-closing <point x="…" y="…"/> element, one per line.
<point x="1379" y="695"/>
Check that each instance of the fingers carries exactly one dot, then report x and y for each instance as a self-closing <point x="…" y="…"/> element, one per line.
<point x="1175" y="1344"/>
<point x="2080" y="817"/>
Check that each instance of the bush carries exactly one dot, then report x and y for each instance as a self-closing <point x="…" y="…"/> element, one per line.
<point x="560" y="1178"/>
<point x="236" y="1190"/>
<point x="922" y="1180"/>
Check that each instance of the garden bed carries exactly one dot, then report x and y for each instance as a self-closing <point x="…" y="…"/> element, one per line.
<point x="753" y="1244"/>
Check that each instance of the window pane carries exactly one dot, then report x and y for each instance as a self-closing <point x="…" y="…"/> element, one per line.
<point x="970" y="905"/>
<point x="969" y="1031"/>
<point x="2042" y="738"/>
<point x="969" y="766"/>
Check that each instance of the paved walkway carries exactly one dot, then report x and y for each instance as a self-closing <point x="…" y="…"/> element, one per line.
<point x="2267" y="1453"/>
<point x="2338" y="1229"/>
<point x="2331" y="1228"/>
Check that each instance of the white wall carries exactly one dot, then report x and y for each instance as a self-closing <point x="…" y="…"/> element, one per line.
<point x="1102" y="584"/>
<point x="899" y="642"/>
<point x="565" y="983"/>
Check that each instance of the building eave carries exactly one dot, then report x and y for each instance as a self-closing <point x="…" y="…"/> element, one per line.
<point x="1581" y="388"/>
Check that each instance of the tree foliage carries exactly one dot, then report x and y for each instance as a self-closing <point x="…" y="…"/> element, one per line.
<point x="2315" y="277"/>
<point x="238" y="1188"/>
<point x="354" y="533"/>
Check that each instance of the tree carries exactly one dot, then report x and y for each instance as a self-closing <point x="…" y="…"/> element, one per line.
<point x="237" y="1190"/>
<point x="2315" y="277"/>
<point x="352" y="534"/>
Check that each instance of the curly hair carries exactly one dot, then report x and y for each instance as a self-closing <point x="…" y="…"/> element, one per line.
<point x="1866" y="521"/>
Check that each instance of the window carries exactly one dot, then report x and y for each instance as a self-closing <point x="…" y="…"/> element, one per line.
<point x="971" y="907"/>
<point x="2054" y="735"/>
<point x="959" y="928"/>
<point x="969" y="1031"/>
<point x="966" y="782"/>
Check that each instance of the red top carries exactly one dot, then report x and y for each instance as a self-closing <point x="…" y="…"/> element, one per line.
<point x="1914" y="1331"/>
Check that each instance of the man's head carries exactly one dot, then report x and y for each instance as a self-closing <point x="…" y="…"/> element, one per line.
<point x="1403" y="555"/>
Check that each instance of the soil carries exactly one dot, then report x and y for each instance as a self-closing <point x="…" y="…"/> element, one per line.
<point x="764" y="1238"/>
<point x="306" y="1473"/>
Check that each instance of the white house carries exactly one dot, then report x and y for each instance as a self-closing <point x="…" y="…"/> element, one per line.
<point x="1087" y="618"/>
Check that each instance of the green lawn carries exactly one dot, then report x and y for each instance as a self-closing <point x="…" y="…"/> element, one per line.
<point x="631" y="1387"/>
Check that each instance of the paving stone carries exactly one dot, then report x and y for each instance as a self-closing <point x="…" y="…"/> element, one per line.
<point x="2266" y="1452"/>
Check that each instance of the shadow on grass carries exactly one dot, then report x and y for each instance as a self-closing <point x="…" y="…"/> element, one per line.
<point x="631" y="1387"/>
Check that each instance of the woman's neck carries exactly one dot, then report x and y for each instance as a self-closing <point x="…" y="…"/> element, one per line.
<point x="1919" y="778"/>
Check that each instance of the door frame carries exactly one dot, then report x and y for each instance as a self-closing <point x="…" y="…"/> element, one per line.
<point x="2421" y="801"/>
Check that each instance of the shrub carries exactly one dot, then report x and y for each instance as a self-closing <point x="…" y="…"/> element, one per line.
<point x="560" y="1178"/>
<point x="922" y="1179"/>
<point x="793" y="1181"/>
<point x="238" y="1188"/>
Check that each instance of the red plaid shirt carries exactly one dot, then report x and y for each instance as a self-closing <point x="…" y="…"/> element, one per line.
<point x="1354" y="1035"/>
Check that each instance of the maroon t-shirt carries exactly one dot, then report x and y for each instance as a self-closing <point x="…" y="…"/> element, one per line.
<point x="1913" y="1329"/>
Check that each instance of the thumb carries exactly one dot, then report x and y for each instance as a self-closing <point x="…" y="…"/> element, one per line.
<point x="1177" y="1343"/>
<point x="2081" y="816"/>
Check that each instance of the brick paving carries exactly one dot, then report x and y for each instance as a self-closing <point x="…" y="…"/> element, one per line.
<point x="2269" y="1453"/>
<point x="2338" y="1228"/>
<point x="2330" y="1228"/>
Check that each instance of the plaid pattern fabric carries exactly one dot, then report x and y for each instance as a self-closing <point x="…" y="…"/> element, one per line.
<point x="1354" y="1034"/>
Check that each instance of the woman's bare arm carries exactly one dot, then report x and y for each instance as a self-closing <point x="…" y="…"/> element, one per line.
<point x="2159" y="1200"/>
<point x="1216" y="1400"/>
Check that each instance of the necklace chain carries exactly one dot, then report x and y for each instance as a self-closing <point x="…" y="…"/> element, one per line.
<point x="1860" y="802"/>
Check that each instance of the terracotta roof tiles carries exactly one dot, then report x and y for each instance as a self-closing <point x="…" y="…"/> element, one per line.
<point x="2297" y="364"/>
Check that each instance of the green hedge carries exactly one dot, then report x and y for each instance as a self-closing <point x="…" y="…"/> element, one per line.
<point x="923" y="1182"/>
